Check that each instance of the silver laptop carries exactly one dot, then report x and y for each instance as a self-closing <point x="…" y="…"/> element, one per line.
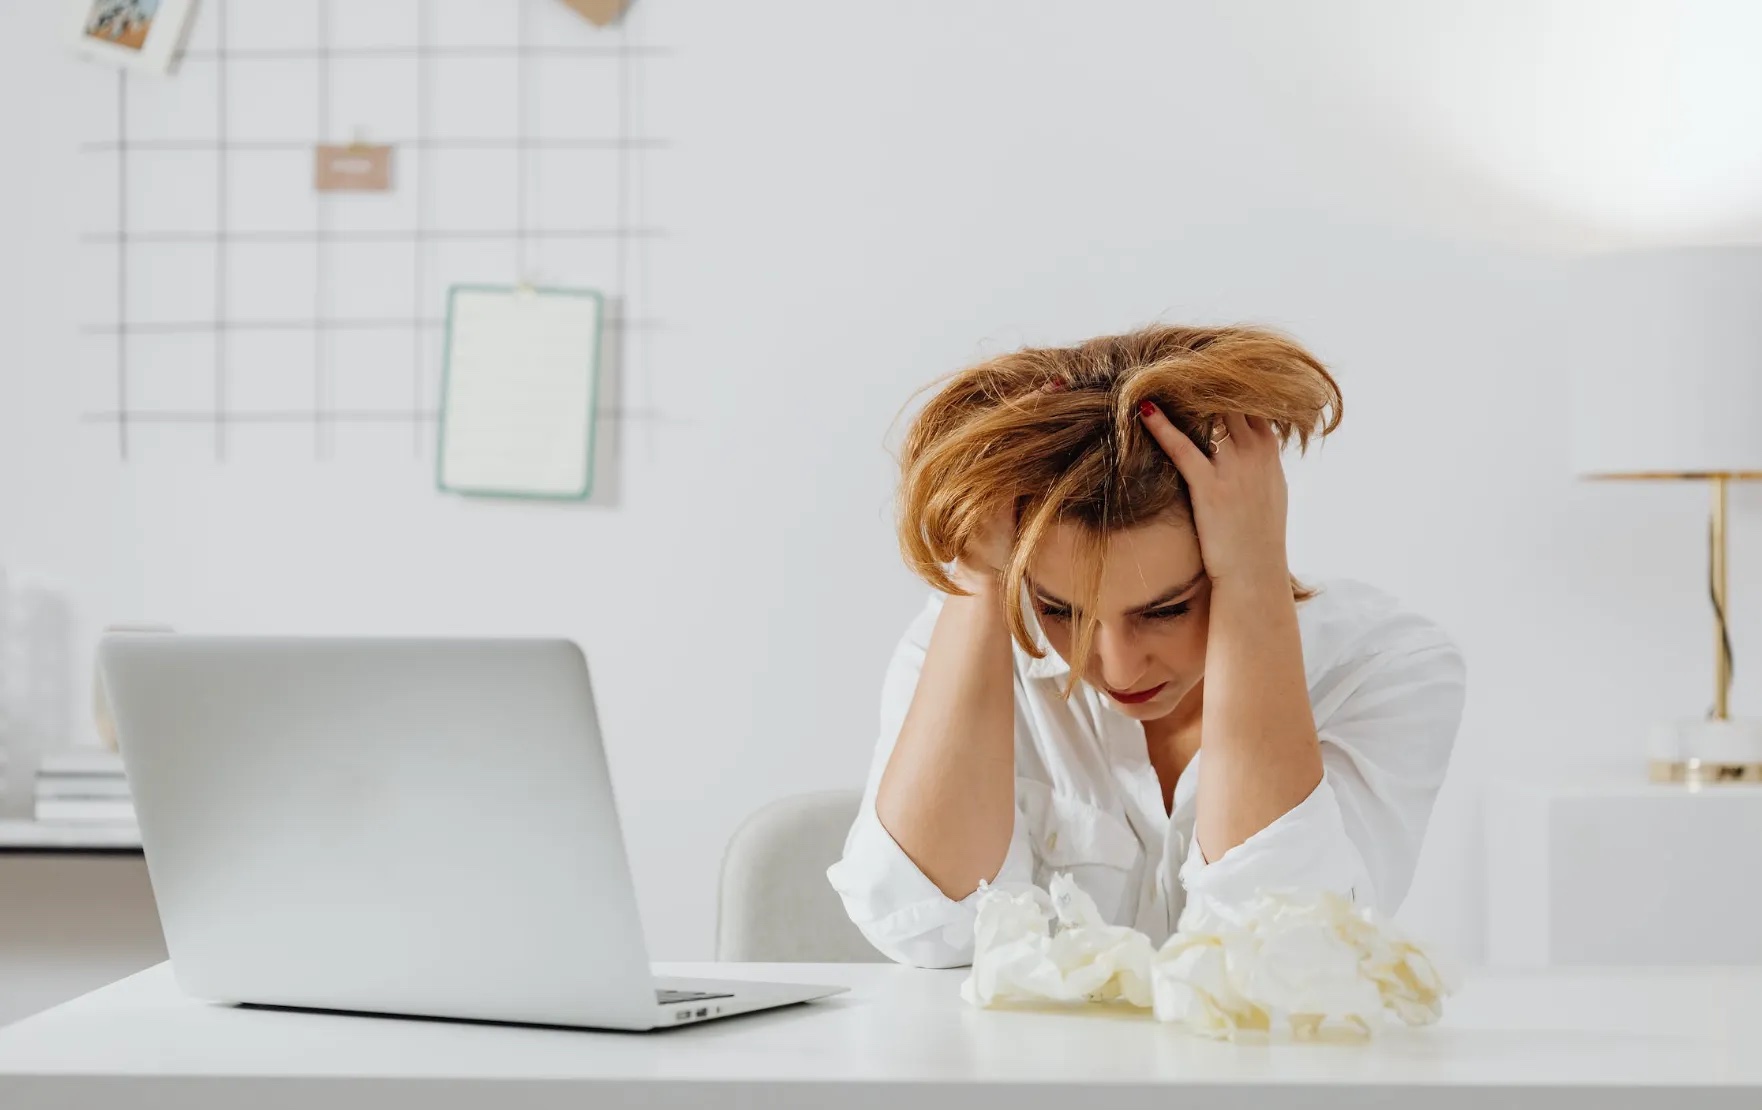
<point x="396" y="826"/>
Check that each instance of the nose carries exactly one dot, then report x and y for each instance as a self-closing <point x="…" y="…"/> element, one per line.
<point x="1120" y="657"/>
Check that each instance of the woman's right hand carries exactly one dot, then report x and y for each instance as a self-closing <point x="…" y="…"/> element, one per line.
<point x="979" y="567"/>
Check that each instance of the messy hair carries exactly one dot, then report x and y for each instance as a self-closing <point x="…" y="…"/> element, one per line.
<point x="1053" y="434"/>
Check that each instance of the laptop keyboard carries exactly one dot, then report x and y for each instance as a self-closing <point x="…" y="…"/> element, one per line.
<point x="673" y="998"/>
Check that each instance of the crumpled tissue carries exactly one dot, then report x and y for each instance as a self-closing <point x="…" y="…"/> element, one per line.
<point x="1018" y="958"/>
<point x="1286" y="964"/>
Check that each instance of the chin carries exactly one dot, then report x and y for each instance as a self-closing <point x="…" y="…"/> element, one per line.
<point x="1160" y="706"/>
<point x="1148" y="711"/>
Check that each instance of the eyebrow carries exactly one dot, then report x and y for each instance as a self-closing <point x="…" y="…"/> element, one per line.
<point x="1172" y="595"/>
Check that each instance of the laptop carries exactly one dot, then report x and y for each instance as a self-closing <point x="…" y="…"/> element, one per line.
<point x="417" y="827"/>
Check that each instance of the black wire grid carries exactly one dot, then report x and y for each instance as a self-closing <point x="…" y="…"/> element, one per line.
<point x="322" y="415"/>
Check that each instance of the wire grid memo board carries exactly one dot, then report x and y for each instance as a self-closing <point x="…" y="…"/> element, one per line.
<point x="251" y="313"/>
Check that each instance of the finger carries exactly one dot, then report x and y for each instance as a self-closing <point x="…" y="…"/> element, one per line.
<point x="1239" y="427"/>
<point x="1183" y="452"/>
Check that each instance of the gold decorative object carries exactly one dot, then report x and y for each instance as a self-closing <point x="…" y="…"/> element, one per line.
<point x="1668" y="386"/>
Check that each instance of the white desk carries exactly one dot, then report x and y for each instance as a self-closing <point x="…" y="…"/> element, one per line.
<point x="903" y="1040"/>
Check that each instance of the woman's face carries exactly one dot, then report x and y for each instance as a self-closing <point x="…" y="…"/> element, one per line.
<point x="1149" y="648"/>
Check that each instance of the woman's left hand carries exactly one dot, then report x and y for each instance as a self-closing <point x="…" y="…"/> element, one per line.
<point x="1238" y="495"/>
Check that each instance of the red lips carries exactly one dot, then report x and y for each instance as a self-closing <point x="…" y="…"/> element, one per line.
<point x="1137" y="697"/>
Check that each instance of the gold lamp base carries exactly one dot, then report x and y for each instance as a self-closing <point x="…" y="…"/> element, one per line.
<point x="1706" y="752"/>
<point x="1702" y="772"/>
<point x="1721" y="748"/>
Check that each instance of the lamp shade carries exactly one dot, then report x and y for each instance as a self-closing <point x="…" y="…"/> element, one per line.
<point x="1667" y="364"/>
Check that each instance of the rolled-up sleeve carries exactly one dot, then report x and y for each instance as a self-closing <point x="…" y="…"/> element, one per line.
<point x="1386" y="731"/>
<point x="901" y="912"/>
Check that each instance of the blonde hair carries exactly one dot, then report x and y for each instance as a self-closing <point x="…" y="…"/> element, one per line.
<point x="1053" y="434"/>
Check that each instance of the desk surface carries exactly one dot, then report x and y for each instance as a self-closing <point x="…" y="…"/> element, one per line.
<point x="1545" y="1039"/>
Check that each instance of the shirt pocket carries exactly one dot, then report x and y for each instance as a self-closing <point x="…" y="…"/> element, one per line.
<point x="1069" y="834"/>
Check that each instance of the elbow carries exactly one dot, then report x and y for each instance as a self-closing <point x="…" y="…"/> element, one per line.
<point x="934" y="943"/>
<point x="920" y="933"/>
<point x="927" y="953"/>
<point x="896" y="908"/>
<point x="942" y="963"/>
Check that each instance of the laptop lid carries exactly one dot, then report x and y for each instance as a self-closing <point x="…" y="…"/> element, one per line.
<point x="409" y="826"/>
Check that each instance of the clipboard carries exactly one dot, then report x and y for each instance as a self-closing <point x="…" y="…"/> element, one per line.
<point x="519" y="392"/>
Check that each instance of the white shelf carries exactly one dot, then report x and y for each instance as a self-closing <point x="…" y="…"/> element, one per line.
<point x="37" y="835"/>
<point x="1621" y="873"/>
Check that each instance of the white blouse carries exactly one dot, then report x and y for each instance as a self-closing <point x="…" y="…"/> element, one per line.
<point x="1387" y="688"/>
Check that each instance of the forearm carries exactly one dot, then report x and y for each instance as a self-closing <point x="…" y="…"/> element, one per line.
<point x="947" y="795"/>
<point x="1261" y="755"/>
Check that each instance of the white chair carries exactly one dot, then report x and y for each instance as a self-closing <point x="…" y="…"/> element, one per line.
<point x="775" y="905"/>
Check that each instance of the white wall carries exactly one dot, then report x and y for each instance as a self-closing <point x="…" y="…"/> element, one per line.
<point x="862" y="197"/>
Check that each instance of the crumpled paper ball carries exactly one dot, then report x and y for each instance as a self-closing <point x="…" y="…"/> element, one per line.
<point x="1017" y="957"/>
<point x="1286" y="964"/>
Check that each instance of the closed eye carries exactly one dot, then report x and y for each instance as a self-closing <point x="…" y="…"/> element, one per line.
<point x="1167" y="612"/>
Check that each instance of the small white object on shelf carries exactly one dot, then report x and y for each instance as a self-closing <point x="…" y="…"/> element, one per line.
<point x="26" y="835"/>
<point x="85" y="786"/>
<point x="82" y="786"/>
<point x="80" y="761"/>
<point x="86" y="811"/>
<point x="1616" y="871"/>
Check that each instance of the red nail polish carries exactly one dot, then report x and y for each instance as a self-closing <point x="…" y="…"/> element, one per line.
<point x="1146" y="408"/>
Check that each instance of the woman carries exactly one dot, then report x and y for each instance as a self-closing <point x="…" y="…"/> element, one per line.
<point x="1118" y="676"/>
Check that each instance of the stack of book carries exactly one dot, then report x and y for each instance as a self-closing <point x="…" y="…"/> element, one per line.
<point x="85" y="787"/>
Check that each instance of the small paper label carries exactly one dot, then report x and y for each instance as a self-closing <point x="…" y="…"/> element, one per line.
<point x="356" y="168"/>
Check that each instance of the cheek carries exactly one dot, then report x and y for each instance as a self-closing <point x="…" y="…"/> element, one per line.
<point x="1181" y="647"/>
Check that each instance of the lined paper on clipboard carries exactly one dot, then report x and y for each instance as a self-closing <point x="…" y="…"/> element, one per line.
<point x="518" y="391"/>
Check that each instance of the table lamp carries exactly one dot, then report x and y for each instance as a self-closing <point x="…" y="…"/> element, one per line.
<point x="1668" y="387"/>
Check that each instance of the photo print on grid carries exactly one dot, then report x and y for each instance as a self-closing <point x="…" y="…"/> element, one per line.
<point x="123" y="22"/>
<point x="144" y="35"/>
